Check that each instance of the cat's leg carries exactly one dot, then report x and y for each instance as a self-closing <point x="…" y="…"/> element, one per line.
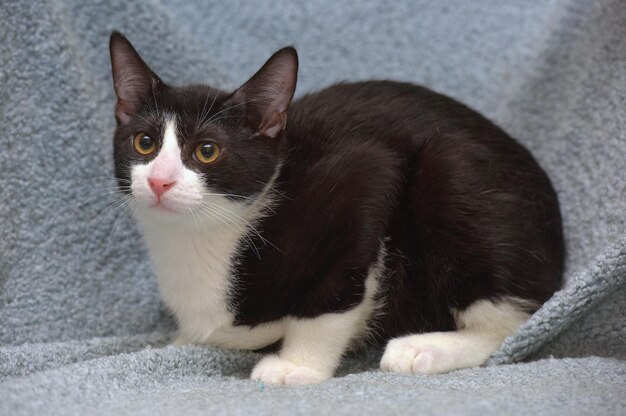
<point x="312" y="348"/>
<point x="180" y="340"/>
<point x="482" y="328"/>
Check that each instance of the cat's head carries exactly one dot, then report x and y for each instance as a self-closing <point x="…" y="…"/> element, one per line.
<point x="179" y="150"/>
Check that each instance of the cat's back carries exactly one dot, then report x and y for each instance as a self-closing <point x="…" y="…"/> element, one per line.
<point x="407" y="127"/>
<point x="398" y="113"/>
<point x="440" y="175"/>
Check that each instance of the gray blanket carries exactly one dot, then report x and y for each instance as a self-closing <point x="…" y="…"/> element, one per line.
<point x="82" y="330"/>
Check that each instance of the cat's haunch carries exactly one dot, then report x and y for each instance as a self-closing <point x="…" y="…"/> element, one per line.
<point x="366" y="212"/>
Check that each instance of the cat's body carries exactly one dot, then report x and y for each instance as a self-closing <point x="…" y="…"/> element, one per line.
<point x="375" y="209"/>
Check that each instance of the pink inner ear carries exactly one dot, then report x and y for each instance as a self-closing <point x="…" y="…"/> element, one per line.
<point x="270" y="91"/>
<point x="132" y="79"/>
<point x="273" y="124"/>
<point x="123" y="111"/>
<point x="133" y="86"/>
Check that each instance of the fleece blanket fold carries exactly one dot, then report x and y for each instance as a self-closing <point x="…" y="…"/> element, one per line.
<point x="82" y="329"/>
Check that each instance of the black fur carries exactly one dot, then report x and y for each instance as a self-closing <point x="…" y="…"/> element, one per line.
<point x="464" y="210"/>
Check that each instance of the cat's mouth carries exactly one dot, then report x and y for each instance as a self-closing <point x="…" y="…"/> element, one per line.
<point x="170" y="206"/>
<point x="173" y="204"/>
<point x="161" y="207"/>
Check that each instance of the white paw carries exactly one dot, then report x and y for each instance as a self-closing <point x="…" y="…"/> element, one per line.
<point x="434" y="353"/>
<point x="402" y="356"/>
<point x="274" y="370"/>
<point x="181" y="340"/>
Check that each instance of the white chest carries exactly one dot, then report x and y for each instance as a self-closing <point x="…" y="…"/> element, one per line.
<point x="194" y="274"/>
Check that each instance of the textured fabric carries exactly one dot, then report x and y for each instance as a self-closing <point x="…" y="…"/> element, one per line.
<point x="82" y="330"/>
<point x="202" y="381"/>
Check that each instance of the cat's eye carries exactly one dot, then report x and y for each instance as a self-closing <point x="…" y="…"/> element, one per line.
<point x="144" y="144"/>
<point x="207" y="152"/>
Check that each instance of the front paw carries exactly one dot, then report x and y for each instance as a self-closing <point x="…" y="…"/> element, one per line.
<point x="406" y="355"/>
<point x="275" y="370"/>
<point x="436" y="352"/>
<point x="180" y="340"/>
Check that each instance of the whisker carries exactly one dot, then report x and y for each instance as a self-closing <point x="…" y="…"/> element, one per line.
<point x="221" y="215"/>
<point x="156" y="106"/>
<point x="112" y="207"/>
<point x="241" y="219"/>
<point x="206" y="123"/>
<point x="127" y="206"/>
<point x="226" y="220"/>
<point x="110" y="178"/>
<point x="268" y="206"/>
<point x="150" y="122"/>
<point x="200" y="114"/>
<point x="213" y="102"/>
<point x="247" y="223"/>
<point x="92" y="198"/>
<point x="221" y="118"/>
<point x="195" y="220"/>
<point x="242" y="226"/>
<point x="204" y="115"/>
<point x="112" y="188"/>
<point x="273" y="188"/>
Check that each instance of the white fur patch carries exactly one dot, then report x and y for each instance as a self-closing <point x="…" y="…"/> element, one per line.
<point x="184" y="197"/>
<point x="482" y="329"/>
<point x="194" y="248"/>
<point x="502" y="317"/>
<point x="312" y="348"/>
<point x="275" y="370"/>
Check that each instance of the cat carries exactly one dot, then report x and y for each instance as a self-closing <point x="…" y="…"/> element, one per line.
<point x="373" y="211"/>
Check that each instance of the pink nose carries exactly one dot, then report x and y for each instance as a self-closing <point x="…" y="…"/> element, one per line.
<point x="160" y="186"/>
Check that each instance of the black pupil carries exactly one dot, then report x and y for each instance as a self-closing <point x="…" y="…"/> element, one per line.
<point x="207" y="150"/>
<point x="145" y="143"/>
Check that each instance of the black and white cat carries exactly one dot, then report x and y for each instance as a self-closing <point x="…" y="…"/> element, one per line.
<point x="373" y="210"/>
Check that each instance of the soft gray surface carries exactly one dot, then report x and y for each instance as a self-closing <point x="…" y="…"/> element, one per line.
<point x="78" y="304"/>
<point x="162" y="382"/>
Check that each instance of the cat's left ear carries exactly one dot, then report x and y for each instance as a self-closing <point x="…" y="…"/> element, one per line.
<point x="268" y="93"/>
<point x="133" y="80"/>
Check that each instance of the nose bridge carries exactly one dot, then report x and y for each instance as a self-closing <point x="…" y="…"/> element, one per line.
<point x="166" y="165"/>
<point x="164" y="172"/>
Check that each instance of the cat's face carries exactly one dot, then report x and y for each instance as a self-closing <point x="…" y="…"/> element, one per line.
<point x="181" y="151"/>
<point x="186" y="155"/>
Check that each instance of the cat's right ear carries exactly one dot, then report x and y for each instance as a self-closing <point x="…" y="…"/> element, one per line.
<point x="268" y="93"/>
<point x="133" y="80"/>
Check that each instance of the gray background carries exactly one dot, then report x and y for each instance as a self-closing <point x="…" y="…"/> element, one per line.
<point x="78" y="304"/>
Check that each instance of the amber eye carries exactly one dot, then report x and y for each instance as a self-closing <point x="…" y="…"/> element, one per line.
<point x="144" y="144"/>
<point x="207" y="152"/>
